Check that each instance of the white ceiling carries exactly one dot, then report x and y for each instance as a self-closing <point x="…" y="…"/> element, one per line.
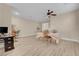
<point x="37" y="11"/>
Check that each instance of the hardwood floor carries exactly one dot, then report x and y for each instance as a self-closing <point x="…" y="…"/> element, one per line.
<point x="30" y="46"/>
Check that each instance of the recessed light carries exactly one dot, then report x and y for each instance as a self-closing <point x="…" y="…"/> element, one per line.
<point x="16" y="13"/>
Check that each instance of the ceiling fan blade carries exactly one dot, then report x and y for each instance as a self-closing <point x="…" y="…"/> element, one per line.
<point x="48" y="13"/>
<point x="53" y="14"/>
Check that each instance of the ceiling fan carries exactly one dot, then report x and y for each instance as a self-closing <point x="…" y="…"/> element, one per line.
<point x="50" y="13"/>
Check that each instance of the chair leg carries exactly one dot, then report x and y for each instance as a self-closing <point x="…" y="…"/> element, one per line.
<point x="50" y="40"/>
<point x="56" y="41"/>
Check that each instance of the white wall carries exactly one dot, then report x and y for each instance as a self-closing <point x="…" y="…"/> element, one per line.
<point x="5" y="15"/>
<point x="27" y="27"/>
<point x="67" y="24"/>
<point x="44" y="26"/>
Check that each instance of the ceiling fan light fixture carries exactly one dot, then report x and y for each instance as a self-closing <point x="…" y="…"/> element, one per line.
<point x="50" y="13"/>
<point x="48" y="10"/>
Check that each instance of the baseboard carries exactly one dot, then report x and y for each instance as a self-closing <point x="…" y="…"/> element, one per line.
<point x="62" y="38"/>
<point x="26" y="35"/>
<point x="31" y="35"/>
<point x="71" y="40"/>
